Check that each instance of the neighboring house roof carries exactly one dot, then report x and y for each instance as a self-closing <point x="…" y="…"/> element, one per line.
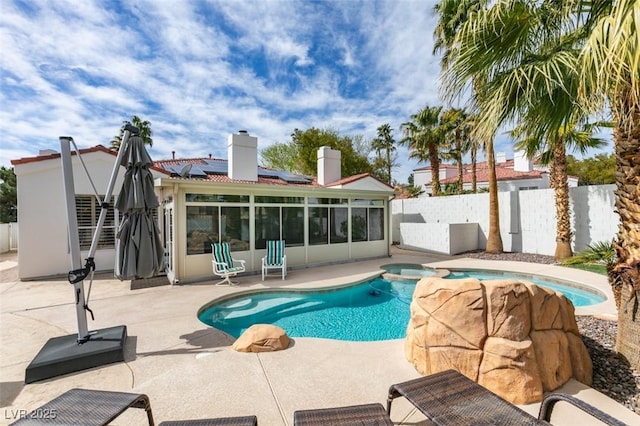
<point x="502" y="174"/>
<point x="442" y="166"/>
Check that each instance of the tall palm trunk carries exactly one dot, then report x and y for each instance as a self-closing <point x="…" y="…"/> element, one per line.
<point x="494" y="240"/>
<point x="561" y="188"/>
<point x="458" y="138"/>
<point x="626" y="273"/>
<point x="474" y="174"/>
<point x="434" y="159"/>
<point x="389" y="165"/>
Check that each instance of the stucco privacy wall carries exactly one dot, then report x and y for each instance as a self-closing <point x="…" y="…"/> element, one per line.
<point x="8" y="237"/>
<point x="527" y="218"/>
<point x="44" y="250"/>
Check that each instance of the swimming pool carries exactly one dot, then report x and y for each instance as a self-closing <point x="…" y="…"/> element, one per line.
<point x="347" y="313"/>
<point x="344" y="314"/>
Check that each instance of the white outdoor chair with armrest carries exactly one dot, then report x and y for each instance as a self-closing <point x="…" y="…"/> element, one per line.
<point x="224" y="265"/>
<point x="275" y="258"/>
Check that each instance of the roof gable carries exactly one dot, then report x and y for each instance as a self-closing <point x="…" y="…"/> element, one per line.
<point x="361" y="181"/>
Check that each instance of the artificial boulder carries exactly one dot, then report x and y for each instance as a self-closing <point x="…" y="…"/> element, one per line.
<point x="515" y="338"/>
<point x="262" y="338"/>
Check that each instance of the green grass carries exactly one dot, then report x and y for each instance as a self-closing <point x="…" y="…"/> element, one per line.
<point x="591" y="267"/>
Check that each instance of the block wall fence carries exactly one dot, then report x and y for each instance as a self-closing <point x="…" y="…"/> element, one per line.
<point x="8" y="237"/>
<point x="527" y="218"/>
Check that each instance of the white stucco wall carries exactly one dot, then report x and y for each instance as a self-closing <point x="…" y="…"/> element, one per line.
<point x="527" y="218"/>
<point x="44" y="248"/>
<point x="8" y="236"/>
<point x="444" y="238"/>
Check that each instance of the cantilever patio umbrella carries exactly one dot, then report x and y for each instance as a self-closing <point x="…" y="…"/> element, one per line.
<point x="139" y="251"/>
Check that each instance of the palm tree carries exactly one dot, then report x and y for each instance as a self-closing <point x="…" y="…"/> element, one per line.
<point x="385" y="142"/>
<point x="424" y="138"/>
<point x="455" y="122"/>
<point x="525" y="54"/>
<point x="144" y="131"/>
<point x="473" y="149"/>
<point x="530" y="52"/>
<point x="453" y="15"/>
<point x="553" y="152"/>
<point x="610" y="75"/>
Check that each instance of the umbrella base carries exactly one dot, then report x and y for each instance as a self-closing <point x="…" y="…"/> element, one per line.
<point x="63" y="355"/>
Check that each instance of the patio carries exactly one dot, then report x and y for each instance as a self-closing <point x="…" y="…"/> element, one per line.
<point x="189" y="371"/>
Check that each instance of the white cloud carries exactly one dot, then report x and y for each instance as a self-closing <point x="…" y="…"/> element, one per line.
<point x="201" y="70"/>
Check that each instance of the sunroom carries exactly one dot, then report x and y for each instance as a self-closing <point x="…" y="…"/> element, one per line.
<point x="322" y="220"/>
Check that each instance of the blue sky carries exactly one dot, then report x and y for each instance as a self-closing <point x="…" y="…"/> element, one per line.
<point x="200" y="70"/>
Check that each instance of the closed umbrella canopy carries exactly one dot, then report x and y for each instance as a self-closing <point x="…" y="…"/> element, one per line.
<point x="139" y="251"/>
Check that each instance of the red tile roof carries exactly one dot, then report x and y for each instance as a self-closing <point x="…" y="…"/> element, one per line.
<point x="161" y="166"/>
<point x="83" y="151"/>
<point x="55" y="155"/>
<point x="355" y="178"/>
<point x="502" y="174"/>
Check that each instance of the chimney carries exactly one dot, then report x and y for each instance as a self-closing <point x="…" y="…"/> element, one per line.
<point x="328" y="165"/>
<point x="521" y="163"/>
<point x="173" y="155"/>
<point x="501" y="157"/>
<point x="242" y="152"/>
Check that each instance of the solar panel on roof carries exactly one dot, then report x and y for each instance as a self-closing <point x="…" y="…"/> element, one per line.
<point x="196" y="171"/>
<point x="215" y="167"/>
<point x="268" y="173"/>
<point x="174" y="168"/>
<point x="291" y="178"/>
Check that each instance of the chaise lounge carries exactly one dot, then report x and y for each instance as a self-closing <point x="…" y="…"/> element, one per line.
<point x="86" y="407"/>
<point x="221" y="421"/>
<point x="355" y="415"/>
<point x="450" y="398"/>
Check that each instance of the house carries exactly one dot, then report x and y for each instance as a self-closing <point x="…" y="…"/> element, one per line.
<point x="516" y="174"/>
<point x="323" y="219"/>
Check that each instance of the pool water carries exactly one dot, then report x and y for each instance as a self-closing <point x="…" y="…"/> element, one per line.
<point x="375" y="310"/>
<point x="577" y="296"/>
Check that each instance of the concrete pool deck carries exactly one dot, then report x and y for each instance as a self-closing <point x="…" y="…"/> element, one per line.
<point x="189" y="370"/>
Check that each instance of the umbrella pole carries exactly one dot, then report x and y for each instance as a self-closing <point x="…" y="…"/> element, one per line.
<point x="74" y="239"/>
<point x="78" y="273"/>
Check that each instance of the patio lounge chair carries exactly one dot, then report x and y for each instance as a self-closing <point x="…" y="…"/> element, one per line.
<point x="224" y="265"/>
<point x="86" y="407"/>
<point x="223" y="421"/>
<point x="450" y="398"/>
<point x="355" y="415"/>
<point x="275" y="258"/>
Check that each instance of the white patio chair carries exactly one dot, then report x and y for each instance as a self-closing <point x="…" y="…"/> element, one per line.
<point x="275" y="258"/>
<point x="224" y="265"/>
